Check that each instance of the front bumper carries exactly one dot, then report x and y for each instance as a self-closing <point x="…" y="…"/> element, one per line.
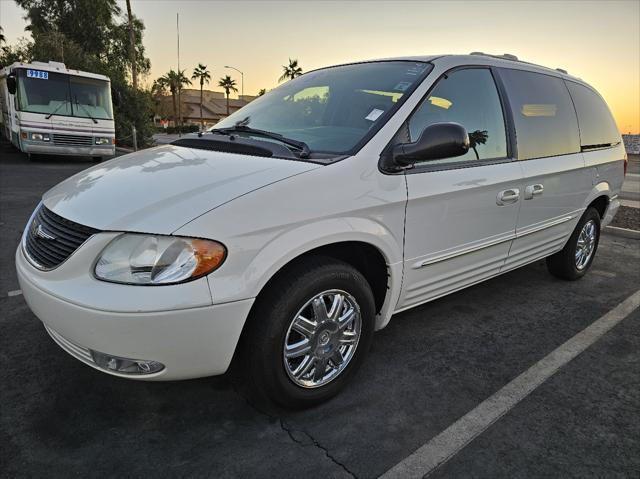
<point x="41" y="148"/>
<point x="192" y="342"/>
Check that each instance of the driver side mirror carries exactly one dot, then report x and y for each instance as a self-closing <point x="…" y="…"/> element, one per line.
<point x="11" y="83"/>
<point x="437" y="141"/>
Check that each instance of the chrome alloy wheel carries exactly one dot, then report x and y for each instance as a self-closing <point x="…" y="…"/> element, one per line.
<point x="586" y="244"/>
<point x="322" y="338"/>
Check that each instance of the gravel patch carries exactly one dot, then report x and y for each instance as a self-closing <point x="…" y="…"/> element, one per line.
<point x="627" y="217"/>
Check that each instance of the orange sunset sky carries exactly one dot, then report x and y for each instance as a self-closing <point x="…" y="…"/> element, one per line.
<point x="598" y="41"/>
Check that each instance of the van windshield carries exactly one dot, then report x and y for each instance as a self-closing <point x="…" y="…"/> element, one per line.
<point x="63" y="95"/>
<point x="334" y="110"/>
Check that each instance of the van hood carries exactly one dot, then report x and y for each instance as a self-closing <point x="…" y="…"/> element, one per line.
<point x="160" y="189"/>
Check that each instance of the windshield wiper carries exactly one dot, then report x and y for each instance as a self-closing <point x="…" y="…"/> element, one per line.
<point x="86" y="111"/>
<point x="56" y="110"/>
<point x="301" y="146"/>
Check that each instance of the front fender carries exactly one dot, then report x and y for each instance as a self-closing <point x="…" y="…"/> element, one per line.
<point x="248" y="270"/>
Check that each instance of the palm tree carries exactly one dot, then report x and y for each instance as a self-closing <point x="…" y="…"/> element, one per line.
<point x="3" y="39"/>
<point x="201" y="74"/>
<point x="291" y="71"/>
<point x="262" y="91"/>
<point x="478" y="137"/>
<point x="174" y="80"/>
<point x="229" y="85"/>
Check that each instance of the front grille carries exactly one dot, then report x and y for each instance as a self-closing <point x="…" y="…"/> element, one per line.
<point x="78" y="140"/>
<point x="51" y="239"/>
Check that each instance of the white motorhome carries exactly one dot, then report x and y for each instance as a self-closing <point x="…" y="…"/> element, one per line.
<point x="50" y="109"/>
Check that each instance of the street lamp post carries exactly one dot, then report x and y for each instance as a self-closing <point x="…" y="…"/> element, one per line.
<point x="241" y="79"/>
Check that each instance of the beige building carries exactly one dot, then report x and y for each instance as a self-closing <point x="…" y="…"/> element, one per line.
<point x="214" y="106"/>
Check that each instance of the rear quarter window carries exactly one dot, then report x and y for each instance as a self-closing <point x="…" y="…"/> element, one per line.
<point x="543" y="114"/>
<point x="598" y="129"/>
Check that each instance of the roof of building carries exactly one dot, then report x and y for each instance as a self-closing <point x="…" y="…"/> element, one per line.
<point x="214" y="104"/>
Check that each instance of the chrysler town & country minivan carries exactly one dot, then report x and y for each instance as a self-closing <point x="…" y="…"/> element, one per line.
<point x="284" y="236"/>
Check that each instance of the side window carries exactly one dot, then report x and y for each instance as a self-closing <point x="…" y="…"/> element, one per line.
<point x="597" y="127"/>
<point x="543" y="114"/>
<point x="468" y="97"/>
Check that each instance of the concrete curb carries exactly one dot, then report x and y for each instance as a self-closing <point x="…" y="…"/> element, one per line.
<point x="123" y="150"/>
<point x="622" y="232"/>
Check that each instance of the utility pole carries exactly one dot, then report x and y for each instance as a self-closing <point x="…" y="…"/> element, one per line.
<point x="132" y="48"/>
<point x="179" y="82"/>
<point x="134" y="69"/>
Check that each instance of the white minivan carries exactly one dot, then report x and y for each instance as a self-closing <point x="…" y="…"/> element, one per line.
<point x="287" y="234"/>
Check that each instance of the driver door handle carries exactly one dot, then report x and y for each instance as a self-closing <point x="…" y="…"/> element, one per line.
<point x="509" y="196"/>
<point x="532" y="191"/>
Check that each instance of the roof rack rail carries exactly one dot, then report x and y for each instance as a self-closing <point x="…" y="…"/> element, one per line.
<point x="504" y="56"/>
<point x="562" y="70"/>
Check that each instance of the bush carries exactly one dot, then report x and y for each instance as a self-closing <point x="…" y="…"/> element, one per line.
<point x="132" y="107"/>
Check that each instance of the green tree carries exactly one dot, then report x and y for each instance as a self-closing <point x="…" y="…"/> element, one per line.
<point x="20" y="52"/>
<point x="229" y="85"/>
<point x="203" y="75"/>
<point x="90" y="35"/>
<point x="291" y="71"/>
<point x="173" y="81"/>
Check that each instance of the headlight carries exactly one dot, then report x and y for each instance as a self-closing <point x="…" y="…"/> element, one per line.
<point x="103" y="141"/>
<point x="154" y="260"/>
<point x="40" y="136"/>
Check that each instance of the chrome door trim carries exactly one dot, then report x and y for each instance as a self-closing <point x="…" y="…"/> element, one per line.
<point x="464" y="250"/>
<point x="547" y="224"/>
<point x="495" y="241"/>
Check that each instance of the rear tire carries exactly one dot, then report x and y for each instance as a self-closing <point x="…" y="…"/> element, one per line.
<point x="577" y="255"/>
<point x="337" y="344"/>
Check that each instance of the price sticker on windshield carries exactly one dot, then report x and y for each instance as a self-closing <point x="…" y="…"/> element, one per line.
<point x="38" y="74"/>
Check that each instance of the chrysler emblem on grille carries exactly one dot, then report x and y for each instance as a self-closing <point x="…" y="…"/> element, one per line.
<point x="40" y="232"/>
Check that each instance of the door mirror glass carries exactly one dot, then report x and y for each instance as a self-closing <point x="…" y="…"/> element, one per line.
<point x="11" y="84"/>
<point x="437" y="141"/>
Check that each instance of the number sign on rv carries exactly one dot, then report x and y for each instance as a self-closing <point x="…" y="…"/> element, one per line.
<point x="38" y="74"/>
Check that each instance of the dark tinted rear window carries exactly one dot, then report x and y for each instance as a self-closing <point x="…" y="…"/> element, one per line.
<point x="597" y="126"/>
<point x="543" y="113"/>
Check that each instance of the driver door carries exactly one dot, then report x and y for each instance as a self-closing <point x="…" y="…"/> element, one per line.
<point x="461" y="212"/>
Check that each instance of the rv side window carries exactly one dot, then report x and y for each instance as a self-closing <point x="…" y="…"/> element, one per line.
<point x="597" y="127"/>
<point x="543" y="114"/>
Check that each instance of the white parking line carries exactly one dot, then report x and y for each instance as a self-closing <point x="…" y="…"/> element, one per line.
<point x="452" y="440"/>
<point x="16" y="292"/>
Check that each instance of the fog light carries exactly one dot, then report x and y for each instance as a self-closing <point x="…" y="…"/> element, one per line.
<point x="126" y="365"/>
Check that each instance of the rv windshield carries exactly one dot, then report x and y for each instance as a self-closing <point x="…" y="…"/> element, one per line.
<point x="333" y="110"/>
<point x="63" y="95"/>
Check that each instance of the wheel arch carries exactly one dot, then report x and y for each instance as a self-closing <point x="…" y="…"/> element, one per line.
<point x="365" y="245"/>
<point x="599" y="198"/>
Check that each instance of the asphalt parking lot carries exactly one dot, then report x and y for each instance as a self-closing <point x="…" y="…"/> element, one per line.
<point x="428" y="368"/>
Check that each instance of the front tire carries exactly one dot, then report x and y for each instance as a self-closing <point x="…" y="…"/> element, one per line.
<point x="308" y="333"/>
<point x="577" y="255"/>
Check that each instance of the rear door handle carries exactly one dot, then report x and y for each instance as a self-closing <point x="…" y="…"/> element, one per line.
<point x="532" y="191"/>
<point x="506" y="197"/>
